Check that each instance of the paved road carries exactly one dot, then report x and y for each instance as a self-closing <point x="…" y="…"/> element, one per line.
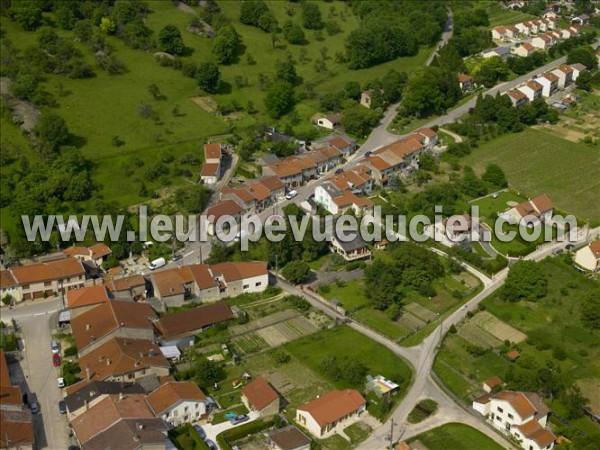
<point x="446" y="35"/>
<point x="36" y="320"/>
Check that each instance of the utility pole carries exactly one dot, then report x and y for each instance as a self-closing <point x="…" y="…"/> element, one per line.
<point x="392" y="434"/>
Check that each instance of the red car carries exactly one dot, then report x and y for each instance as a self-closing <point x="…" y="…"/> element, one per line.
<point x="56" y="359"/>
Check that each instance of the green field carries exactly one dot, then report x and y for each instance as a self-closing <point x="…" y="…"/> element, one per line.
<point x="555" y="333"/>
<point x="536" y="163"/>
<point x="311" y="350"/>
<point x="105" y="107"/>
<point x="456" y="436"/>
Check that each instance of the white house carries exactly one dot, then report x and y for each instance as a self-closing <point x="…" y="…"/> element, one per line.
<point x="523" y="28"/>
<point x="329" y="122"/>
<point x="542" y="42"/>
<point x="549" y="83"/>
<point x="177" y="402"/>
<point x="577" y="69"/>
<point x="331" y="412"/>
<point x="499" y="33"/>
<point x="588" y="257"/>
<point x="532" y="89"/>
<point x="524" y="50"/>
<point x="564" y="74"/>
<point x="521" y="415"/>
<point x="539" y="207"/>
<point x="337" y="201"/>
<point x="211" y="170"/>
<point x="517" y="98"/>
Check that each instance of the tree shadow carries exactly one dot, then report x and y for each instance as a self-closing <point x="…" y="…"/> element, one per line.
<point x="77" y="141"/>
<point x="224" y="88"/>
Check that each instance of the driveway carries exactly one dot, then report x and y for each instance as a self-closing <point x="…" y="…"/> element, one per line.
<point x="212" y="431"/>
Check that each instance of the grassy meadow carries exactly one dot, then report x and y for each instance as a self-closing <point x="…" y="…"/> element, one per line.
<point x="536" y="163"/>
<point x="454" y="436"/>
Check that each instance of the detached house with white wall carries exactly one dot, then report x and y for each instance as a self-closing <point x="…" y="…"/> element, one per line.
<point x="588" y="257"/>
<point x="177" y="402"/>
<point x="532" y="89"/>
<point x="549" y="83"/>
<point x="211" y="171"/>
<point x="331" y="412"/>
<point x="522" y="415"/>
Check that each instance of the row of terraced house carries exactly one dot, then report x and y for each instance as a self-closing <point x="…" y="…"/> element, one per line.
<point x="546" y="84"/>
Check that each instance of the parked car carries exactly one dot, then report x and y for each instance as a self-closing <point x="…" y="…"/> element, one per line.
<point x="211" y="445"/>
<point x="569" y="246"/>
<point x="176" y="257"/>
<point x="338" y="171"/>
<point x="157" y="263"/>
<point x="54" y="346"/>
<point x="200" y="431"/>
<point x="239" y="419"/>
<point x="557" y="251"/>
<point x="61" y="382"/>
<point x="62" y="407"/>
<point x="56" y="359"/>
<point x="35" y="407"/>
<point x="290" y="195"/>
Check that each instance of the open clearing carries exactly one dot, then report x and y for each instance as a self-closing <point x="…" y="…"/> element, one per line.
<point x="477" y="336"/>
<point x="536" y="162"/>
<point x="501" y="330"/>
<point x="455" y="436"/>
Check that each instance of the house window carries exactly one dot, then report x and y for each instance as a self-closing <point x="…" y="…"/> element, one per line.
<point x="25" y="286"/>
<point x="197" y="414"/>
<point x="510" y="416"/>
<point x="47" y="283"/>
<point x="500" y="409"/>
<point x="258" y="284"/>
<point x="499" y="419"/>
<point x="185" y="409"/>
<point x="246" y="286"/>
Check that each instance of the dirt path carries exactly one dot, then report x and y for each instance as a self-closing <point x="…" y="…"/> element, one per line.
<point x="457" y="137"/>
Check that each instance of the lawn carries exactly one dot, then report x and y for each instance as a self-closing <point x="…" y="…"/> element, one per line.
<point x="352" y="296"/>
<point x="504" y="16"/>
<point x="350" y="293"/>
<point x="220" y="416"/>
<point x="358" y="432"/>
<point x="104" y="109"/>
<point x="422" y="410"/>
<point x="311" y="350"/>
<point x="454" y="436"/>
<point x="536" y="163"/>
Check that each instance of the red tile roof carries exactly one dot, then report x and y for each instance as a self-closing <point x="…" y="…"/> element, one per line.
<point x="234" y="271"/>
<point x="121" y="356"/>
<point x="463" y="78"/>
<point x="210" y="170"/>
<point x="100" y="250"/>
<point x="189" y="322"/>
<point x="334" y="405"/>
<point x="534" y="431"/>
<point x="92" y="295"/>
<point x="53" y="270"/>
<point x="212" y="151"/>
<point x="108" y="317"/>
<point x="223" y="208"/>
<point x="259" y="393"/>
<point x="107" y="412"/>
<point x="171" y="393"/>
<point x="519" y="402"/>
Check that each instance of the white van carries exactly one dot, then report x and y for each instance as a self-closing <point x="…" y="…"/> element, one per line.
<point x="290" y="195"/>
<point x="157" y="263"/>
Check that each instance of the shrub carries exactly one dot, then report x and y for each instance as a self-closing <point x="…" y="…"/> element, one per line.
<point x="71" y="351"/>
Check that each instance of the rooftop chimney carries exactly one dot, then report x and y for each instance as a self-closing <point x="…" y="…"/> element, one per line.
<point x="87" y="327"/>
<point x="108" y="361"/>
<point x="87" y="373"/>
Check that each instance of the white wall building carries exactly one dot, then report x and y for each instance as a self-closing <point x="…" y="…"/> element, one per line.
<point x="588" y="257"/>
<point x="522" y="415"/>
<point x="177" y="402"/>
